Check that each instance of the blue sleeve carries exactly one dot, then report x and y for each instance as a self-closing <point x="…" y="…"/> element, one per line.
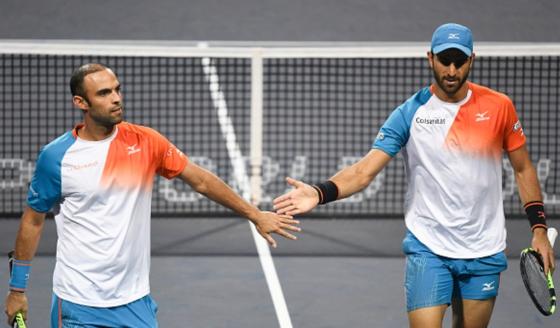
<point x="394" y="133"/>
<point x="45" y="188"/>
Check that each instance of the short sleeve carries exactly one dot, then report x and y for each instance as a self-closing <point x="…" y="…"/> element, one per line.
<point x="45" y="188"/>
<point x="394" y="133"/>
<point x="514" y="137"/>
<point x="171" y="161"/>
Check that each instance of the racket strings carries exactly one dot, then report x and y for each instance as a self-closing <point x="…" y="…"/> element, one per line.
<point x="536" y="282"/>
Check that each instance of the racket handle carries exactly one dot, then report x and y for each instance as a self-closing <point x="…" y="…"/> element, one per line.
<point x="19" y="322"/>
<point x="552" y="234"/>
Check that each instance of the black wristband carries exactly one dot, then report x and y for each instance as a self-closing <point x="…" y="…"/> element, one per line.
<point x="328" y="192"/>
<point x="319" y="193"/>
<point x="535" y="214"/>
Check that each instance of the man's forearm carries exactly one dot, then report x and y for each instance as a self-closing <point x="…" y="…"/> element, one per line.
<point x="531" y="197"/>
<point x="525" y="175"/>
<point x="358" y="176"/>
<point x="29" y="234"/>
<point x="528" y="185"/>
<point x="217" y="190"/>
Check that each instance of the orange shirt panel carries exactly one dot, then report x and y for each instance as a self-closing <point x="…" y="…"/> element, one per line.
<point x="137" y="154"/>
<point x="486" y="125"/>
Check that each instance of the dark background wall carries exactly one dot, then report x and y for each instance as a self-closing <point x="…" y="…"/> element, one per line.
<point x="277" y="20"/>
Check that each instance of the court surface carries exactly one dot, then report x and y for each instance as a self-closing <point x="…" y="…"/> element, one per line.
<point x="340" y="273"/>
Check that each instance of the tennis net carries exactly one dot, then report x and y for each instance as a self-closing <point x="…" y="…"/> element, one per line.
<point x="315" y="110"/>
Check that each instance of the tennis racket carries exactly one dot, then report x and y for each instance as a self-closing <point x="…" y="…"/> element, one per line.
<point x="18" y="321"/>
<point x="539" y="286"/>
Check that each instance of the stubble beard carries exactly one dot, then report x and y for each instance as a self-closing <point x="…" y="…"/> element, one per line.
<point x="450" y="91"/>
<point x="110" y="120"/>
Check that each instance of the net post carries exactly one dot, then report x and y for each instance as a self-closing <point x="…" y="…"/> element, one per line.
<point x="256" y="125"/>
<point x="265" y="257"/>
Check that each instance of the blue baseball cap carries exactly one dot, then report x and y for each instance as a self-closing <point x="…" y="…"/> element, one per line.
<point x="452" y="35"/>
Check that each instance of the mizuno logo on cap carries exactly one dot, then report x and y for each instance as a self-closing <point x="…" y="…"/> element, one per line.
<point x="453" y="36"/>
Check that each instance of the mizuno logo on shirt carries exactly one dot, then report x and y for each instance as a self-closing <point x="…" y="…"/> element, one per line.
<point x="421" y="120"/>
<point x="132" y="149"/>
<point x="488" y="286"/>
<point x="482" y="116"/>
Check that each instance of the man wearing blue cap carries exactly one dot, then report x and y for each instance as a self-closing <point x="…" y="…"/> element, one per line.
<point x="454" y="133"/>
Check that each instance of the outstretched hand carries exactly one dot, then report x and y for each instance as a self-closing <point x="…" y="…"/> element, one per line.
<point x="303" y="198"/>
<point x="270" y="222"/>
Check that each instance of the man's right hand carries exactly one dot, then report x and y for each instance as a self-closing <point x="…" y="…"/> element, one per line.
<point x="15" y="302"/>
<point x="303" y="198"/>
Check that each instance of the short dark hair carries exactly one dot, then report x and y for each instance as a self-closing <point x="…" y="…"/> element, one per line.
<point x="77" y="79"/>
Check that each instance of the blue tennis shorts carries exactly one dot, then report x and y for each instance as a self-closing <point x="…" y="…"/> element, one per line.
<point x="139" y="314"/>
<point x="433" y="280"/>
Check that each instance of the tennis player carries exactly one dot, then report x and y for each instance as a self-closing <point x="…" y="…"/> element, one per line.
<point x="100" y="177"/>
<point x="453" y="134"/>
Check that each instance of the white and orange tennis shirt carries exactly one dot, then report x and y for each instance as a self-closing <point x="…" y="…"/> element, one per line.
<point x="453" y="162"/>
<point x="103" y="190"/>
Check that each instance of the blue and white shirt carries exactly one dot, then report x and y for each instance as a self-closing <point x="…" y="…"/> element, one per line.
<point x="453" y="161"/>
<point x="103" y="191"/>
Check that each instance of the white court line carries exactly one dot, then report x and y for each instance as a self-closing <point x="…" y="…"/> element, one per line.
<point x="242" y="179"/>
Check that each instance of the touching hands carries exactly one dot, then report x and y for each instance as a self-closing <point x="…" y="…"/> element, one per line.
<point x="269" y="222"/>
<point x="303" y="198"/>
